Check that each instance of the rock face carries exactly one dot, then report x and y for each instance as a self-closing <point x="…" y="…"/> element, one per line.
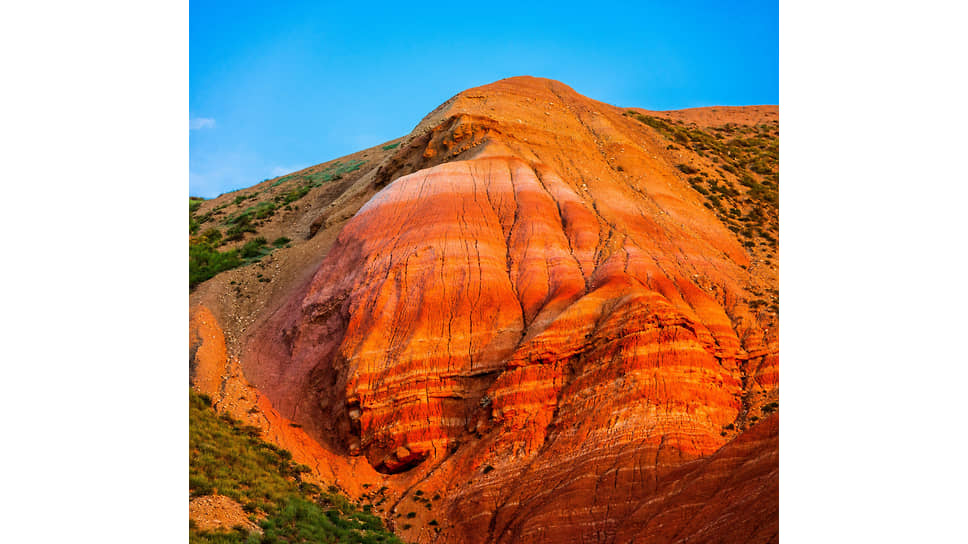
<point x="538" y="319"/>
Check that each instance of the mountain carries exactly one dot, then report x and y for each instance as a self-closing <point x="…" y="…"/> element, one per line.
<point x="535" y="318"/>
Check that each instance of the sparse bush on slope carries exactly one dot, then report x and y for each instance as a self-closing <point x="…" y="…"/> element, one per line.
<point x="229" y="457"/>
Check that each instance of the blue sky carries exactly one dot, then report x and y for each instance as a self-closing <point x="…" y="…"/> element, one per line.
<point x="278" y="86"/>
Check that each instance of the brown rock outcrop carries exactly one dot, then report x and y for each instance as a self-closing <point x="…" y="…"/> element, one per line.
<point x="538" y="319"/>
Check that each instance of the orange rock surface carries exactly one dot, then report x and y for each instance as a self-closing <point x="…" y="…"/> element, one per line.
<point x="537" y="319"/>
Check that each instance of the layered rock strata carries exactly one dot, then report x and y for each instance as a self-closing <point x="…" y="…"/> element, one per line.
<point x="537" y="318"/>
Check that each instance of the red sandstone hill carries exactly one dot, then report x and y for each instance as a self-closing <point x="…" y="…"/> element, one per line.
<point x="536" y="318"/>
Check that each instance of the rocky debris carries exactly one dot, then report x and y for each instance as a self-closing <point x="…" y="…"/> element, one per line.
<point x="219" y="513"/>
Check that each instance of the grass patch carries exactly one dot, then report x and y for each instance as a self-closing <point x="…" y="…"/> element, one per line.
<point x="229" y="457"/>
<point x="334" y="171"/>
<point x="255" y="248"/>
<point x="194" y="224"/>
<point x="388" y="147"/>
<point x="205" y="261"/>
<point x="308" y="182"/>
<point x="294" y="195"/>
<point x="281" y="180"/>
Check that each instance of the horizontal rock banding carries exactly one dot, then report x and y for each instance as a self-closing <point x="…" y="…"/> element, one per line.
<point x="527" y="306"/>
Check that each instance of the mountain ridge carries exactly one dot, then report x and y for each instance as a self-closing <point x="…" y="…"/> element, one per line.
<point x="594" y="309"/>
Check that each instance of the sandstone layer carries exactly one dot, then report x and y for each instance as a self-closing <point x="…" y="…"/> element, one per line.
<point x="537" y="321"/>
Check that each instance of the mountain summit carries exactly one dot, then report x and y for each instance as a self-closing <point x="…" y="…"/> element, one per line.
<point x="535" y="318"/>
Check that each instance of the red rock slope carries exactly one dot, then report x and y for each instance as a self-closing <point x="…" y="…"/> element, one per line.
<point x="538" y="320"/>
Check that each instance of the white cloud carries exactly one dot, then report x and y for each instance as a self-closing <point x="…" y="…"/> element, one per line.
<point x="200" y="123"/>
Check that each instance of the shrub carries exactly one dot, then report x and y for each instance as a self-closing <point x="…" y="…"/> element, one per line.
<point x="253" y="248"/>
<point x="264" y="210"/>
<point x="242" y="198"/>
<point x="388" y="147"/>
<point x="263" y="479"/>
<point x="237" y="232"/>
<point x="686" y="169"/>
<point x="294" y="194"/>
<point x="204" y="262"/>
<point x="760" y="167"/>
<point x="702" y="190"/>
<point x="212" y="236"/>
<point x="281" y="241"/>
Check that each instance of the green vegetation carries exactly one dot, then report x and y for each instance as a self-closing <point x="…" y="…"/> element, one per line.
<point x="750" y="155"/>
<point x="255" y="248"/>
<point x="243" y="221"/>
<point x="204" y="261"/>
<point x="664" y="127"/>
<point x="242" y="198"/>
<point x="229" y="457"/>
<point x="281" y="180"/>
<point x="388" y="147"/>
<point x="334" y="171"/>
<point x="307" y="182"/>
<point x="294" y="194"/>
<point x="194" y="203"/>
<point x="771" y="407"/>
